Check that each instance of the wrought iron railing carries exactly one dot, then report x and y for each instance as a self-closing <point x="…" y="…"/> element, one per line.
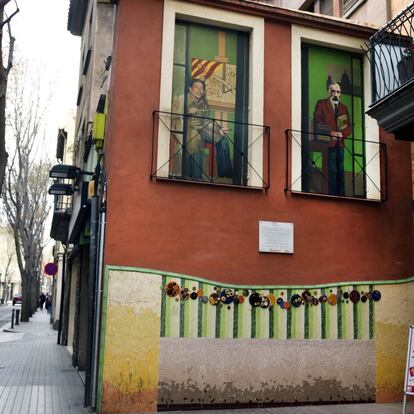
<point x="209" y="150"/>
<point x="391" y="54"/>
<point x="352" y="168"/>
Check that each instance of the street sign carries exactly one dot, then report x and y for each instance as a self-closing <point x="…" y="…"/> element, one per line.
<point x="51" y="268"/>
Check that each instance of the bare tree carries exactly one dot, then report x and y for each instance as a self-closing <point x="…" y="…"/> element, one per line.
<point x="4" y="74"/>
<point x="8" y="272"/>
<point x="25" y="198"/>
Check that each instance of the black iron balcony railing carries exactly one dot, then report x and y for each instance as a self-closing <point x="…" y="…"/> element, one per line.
<point x="353" y="168"/>
<point x="391" y="53"/>
<point x="210" y="151"/>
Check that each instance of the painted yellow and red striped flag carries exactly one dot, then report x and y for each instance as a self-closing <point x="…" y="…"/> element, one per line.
<point x="203" y="69"/>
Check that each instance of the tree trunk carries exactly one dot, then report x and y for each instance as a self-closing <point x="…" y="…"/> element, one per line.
<point x="25" y="303"/>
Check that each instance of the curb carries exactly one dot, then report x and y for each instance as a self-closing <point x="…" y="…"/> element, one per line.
<point x="11" y="330"/>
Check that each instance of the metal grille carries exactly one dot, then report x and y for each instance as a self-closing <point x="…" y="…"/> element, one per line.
<point x="326" y="7"/>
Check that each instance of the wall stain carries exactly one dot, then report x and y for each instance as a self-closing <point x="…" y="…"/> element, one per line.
<point x="315" y="389"/>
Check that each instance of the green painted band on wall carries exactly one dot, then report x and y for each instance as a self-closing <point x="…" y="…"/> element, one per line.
<point x="233" y="286"/>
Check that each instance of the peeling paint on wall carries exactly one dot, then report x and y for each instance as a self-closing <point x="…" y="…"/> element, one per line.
<point x="254" y="371"/>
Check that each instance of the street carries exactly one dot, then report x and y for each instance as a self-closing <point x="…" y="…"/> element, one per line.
<point x="5" y="314"/>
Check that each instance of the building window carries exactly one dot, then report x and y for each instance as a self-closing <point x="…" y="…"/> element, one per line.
<point x="209" y="124"/>
<point x="332" y="112"/>
<point x="210" y="86"/>
<point x="315" y="65"/>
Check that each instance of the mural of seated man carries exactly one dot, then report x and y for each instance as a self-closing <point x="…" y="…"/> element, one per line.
<point x="331" y="117"/>
<point x="204" y="131"/>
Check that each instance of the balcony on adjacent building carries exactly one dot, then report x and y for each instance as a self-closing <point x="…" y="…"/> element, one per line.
<point x="391" y="54"/>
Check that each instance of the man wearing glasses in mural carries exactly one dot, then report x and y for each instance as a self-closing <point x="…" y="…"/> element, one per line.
<point x="204" y="131"/>
<point x="331" y="117"/>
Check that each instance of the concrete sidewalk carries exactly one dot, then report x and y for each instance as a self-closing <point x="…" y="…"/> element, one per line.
<point x="314" y="409"/>
<point x="36" y="375"/>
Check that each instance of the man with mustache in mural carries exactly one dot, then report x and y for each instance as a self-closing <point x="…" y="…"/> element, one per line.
<point x="331" y="117"/>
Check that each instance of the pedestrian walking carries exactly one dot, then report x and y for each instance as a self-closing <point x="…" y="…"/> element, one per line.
<point x="42" y="300"/>
<point x="48" y="302"/>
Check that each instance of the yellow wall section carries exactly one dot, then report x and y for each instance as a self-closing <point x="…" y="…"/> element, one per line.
<point x="394" y="314"/>
<point x="132" y="343"/>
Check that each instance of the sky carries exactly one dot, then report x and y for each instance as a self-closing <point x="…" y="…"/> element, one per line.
<point x="40" y="29"/>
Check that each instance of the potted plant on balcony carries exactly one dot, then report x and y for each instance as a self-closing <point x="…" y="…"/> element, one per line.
<point x="406" y="65"/>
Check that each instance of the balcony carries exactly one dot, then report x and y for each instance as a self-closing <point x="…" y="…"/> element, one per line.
<point x="210" y="151"/>
<point x="391" y="54"/>
<point x="62" y="212"/>
<point x="314" y="166"/>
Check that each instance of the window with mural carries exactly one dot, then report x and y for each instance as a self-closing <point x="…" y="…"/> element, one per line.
<point x="333" y="141"/>
<point x="208" y="140"/>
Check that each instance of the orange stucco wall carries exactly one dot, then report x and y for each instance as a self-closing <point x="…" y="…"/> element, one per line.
<point x="212" y="232"/>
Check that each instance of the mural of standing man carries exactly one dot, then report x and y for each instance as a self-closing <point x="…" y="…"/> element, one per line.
<point x="331" y="117"/>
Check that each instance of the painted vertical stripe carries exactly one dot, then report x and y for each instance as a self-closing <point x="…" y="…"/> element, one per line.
<point x="236" y="321"/>
<point x="355" y="317"/>
<point x="272" y="318"/>
<point x="253" y="322"/>
<point x="371" y="315"/>
<point x="163" y="306"/>
<point x="339" y="316"/>
<point x="306" y="321"/>
<point x="323" y="317"/>
<point x="289" y="317"/>
<point x="218" y="317"/>
<point x="182" y="311"/>
<point x="200" y="315"/>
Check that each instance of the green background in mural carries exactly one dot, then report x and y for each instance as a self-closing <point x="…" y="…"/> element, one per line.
<point x="321" y="66"/>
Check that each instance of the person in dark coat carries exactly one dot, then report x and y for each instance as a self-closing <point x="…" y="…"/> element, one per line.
<point x="42" y="299"/>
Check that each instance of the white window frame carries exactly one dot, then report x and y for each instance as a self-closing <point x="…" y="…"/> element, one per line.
<point x="302" y="35"/>
<point x="174" y="10"/>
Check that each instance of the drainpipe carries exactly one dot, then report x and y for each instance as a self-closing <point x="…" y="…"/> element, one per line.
<point x="62" y="295"/>
<point x="98" y="296"/>
<point x="91" y="299"/>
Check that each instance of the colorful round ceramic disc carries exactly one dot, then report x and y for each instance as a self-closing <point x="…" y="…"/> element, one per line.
<point x="184" y="294"/>
<point x="272" y="299"/>
<point x="354" y="296"/>
<point x="255" y="299"/>
<point x="346" y="295"/>
<point x="194" y="295"/>
<point x="332" y="299"/>
<point x="315" y="301"/>
<point x="306" y="296"/>
<point x="246" y="292"/>
<point x="265" y="302"/>
<point x="364" y="298"/>
<point x="296" y="300"/>
<point x="323" y="299"/>
<point x="204" y="299"/>
<point x="172" y="289"/>
<point x="376" y="295"/>
<point x="200" y="292"/>
<point x="214" y="299"/>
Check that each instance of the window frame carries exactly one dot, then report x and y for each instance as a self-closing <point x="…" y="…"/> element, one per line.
<point x="304" y="35"/>
<point x="179" y="11"/>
